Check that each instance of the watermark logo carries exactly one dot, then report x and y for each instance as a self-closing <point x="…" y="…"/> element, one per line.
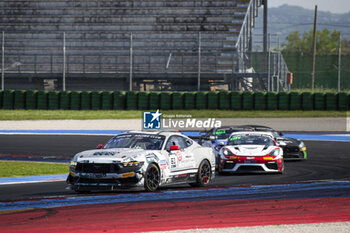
<point x="152" y="120"/>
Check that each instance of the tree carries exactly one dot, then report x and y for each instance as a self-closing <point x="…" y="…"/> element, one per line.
<point x="326" y="42"/>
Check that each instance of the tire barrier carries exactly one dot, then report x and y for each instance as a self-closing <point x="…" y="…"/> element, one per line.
<point x="19" y="100"/>
<point x="143" y="100"/>
<point x="190" y="100"/>
<point x="202" y="100"/>
<point x="119" y="100"/>
<point x="154" y="100"/>
<point x="85" y="99"/>
<point x="42" y="100"/>
<point x="134" y="100"/>
<point x="294" y="101"/>
<point x="96" y="100"/>
<point x="224" y="100"/>
<point x="165" y="100"/>
<point x="343" y="101"/>
<point x="213" y="100"/>
<point x="307" y="101"/>
<point x="75" y="100"/>
<point x="260" y="101"/>
<point x="283" y="100"/>
<point x="178" y="100"/>
<point x="236" y="100"/>
<point x="8" y="99"/>
<point x="248" y="100"/>
<point x="331" y="101"/>
<point x="271" y="101"/>
<point x="107" y="100"/>
<point x="131" y="100"/>
<point x="319" y="101"/>
<point x="65" y="100"/>
<point x="53" y="100"/>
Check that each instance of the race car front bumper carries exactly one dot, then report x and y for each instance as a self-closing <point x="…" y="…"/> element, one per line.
<point x="244" y="164"/>
<point x="104" y="176"/>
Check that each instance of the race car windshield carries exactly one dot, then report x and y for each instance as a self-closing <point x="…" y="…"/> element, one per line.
<point x="136" y="141"/>
<point x="250" y="140"/>
<point x="225" y="133"/>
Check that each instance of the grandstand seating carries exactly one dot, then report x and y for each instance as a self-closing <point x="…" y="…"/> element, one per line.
<point x="98" y="38"/>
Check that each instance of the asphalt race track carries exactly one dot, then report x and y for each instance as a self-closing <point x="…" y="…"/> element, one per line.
<point x="313" y="191"/>
<point x="327" y="160"/>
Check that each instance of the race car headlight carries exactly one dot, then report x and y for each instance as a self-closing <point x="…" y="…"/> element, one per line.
<point x="133" y="164"/>
<point x="275" y="152"/>
<point x="227" y="153"/>
<point x="302" y="146"/>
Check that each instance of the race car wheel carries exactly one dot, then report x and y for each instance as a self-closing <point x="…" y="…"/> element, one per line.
<point x="203" y="174"/>
<point x="152" y="178"/>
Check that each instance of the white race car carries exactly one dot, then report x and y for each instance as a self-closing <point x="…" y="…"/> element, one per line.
<point x="142" y="159"/>
<point x="251" y="152"/>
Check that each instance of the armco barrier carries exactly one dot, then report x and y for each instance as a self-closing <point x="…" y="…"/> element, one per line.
<point x="133" y="100"/>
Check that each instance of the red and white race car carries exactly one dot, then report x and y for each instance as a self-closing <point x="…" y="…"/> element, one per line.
<point x="251" y="152"/>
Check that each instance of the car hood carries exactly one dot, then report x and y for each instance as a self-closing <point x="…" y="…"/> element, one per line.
<point x="112" y="155"/>
<point x="250" y="150"/>
<point x="288" y="141"/>
<point x="218" y="141"/>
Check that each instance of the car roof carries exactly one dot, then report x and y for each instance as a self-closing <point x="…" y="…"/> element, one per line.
<point x="253" y="133"/>
<point x="164" y="133"/>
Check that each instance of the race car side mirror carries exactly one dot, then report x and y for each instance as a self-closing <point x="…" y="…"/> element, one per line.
<point x="280" y="133"/>
<point x="99" y="146"/>
<point x="174" y="147"/>
<point x="212" y="138"/>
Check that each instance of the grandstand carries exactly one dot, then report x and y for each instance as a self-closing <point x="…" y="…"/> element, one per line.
<point x="174" y="45"/>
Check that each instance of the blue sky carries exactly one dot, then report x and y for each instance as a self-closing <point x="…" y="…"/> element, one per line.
<point x="334" y="6"/>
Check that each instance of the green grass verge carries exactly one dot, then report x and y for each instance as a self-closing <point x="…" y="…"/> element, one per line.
<point x="16" y="168"/>
<point x="123" y="114"/>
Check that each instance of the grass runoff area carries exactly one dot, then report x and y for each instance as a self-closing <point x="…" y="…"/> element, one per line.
<point x="137" y="114"/>
<point x="19" y="168"/>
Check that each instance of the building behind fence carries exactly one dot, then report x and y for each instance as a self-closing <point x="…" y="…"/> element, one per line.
<point x="129" y="45"/>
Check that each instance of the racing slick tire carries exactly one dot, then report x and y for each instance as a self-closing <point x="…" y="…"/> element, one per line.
<point x="203" y="175"/>
<point x="152" y="178"/>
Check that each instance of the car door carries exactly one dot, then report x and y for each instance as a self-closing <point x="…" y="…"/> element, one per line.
<point x="181" y="159"/>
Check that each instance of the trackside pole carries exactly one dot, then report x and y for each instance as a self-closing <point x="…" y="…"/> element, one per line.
<point x="64" y="62"/>
<point x="199" y="63"/>
<point x="130" y="77"/>
<point x="3" y="61"/>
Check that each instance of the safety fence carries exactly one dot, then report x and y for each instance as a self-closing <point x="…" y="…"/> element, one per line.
<point x="133" y="100"/>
